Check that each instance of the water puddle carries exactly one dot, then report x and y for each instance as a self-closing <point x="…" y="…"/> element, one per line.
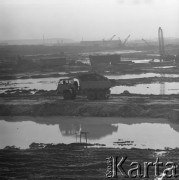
<point x="109" y="52"/>
<point x="143" y="75"/>
<point x="39" y="83"/>
<point x="51" y="84"/>
<point x="114" y="132"/>
<point x="165" y="67"/>
<point x="138" y="60"/>
<point x="155" y="88"/>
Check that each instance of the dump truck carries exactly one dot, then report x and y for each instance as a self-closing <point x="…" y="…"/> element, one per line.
<point x="92" y="85"/>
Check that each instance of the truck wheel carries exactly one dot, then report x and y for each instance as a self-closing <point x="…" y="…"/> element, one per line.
<point x="57" y="92"/>
<point x="67" y="95"/>
<point x="91" y="95"/>
<point x="107" y="96"/>
<point x="101" y="95"/>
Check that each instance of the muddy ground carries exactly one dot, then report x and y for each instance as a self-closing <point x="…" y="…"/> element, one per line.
<point x="71" y="72"/>
<point x="75" y="161"/>
<point x="126" y="105"/>
<point x="33" y="102"/>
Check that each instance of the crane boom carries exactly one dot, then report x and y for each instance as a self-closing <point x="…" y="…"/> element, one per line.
<point x="126" y="39"/>
<point x="112" y="38"/>
<point x="146" y="42"/>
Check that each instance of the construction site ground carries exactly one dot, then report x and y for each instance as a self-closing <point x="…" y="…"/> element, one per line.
<point x="117" y="105"/>
<point x="75" y="161"/>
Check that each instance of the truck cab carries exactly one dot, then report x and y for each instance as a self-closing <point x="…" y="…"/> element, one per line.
<point x="68" y="88"/>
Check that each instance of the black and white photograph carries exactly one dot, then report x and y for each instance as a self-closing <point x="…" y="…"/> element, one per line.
<point x="89" y="89"/>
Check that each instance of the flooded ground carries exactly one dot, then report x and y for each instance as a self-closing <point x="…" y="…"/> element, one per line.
<point x="155" y="88"/>
<point x="108" y="52"/>
<point x="143" y="75"/>
<point x="50" y="83"/>
<point x="39" y="83"/>
<point x="113" y="132"/>
<point x="122" y="123"/>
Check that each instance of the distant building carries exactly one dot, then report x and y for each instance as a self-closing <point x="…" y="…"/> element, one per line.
<point x="104" y="43"/>
<point x="104" y="61"/>
<point x="109" y="59"/>
<point x="92" y="43"/>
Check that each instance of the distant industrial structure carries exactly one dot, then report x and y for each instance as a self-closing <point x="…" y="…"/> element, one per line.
<point x="114" y="43"/>
<point x="106" y="43"/>
<point x="163" y="55"/>
<point x="104" y="60"/>
<point x="108" y="62"/>
<point x="147" y="43"/>
<point x="161" y="43"/>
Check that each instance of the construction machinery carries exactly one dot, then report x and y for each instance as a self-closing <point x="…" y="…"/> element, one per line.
<point x="126" y="40"/>
<point x="161" y="43"/>
<point x="163" y="55"/>
<point x="112" y="38"/>
<point x="146" y="43"/>
<point x="91" y="84"/>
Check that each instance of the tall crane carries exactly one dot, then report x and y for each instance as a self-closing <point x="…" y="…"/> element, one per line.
<point x="126" y="39"/>
<point x="146" y="42"/>
<point x="112" y="38"/>
<point x="162" y="56"/>
<point x="162" y="52"/>
<point x="161" y="43"/>
<point x="119" y="39"/>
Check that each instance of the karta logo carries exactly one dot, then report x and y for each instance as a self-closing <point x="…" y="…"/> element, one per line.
<point x="116" y="167"/>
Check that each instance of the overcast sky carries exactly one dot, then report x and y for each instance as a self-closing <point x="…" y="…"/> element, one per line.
<point x="88" y="19"/>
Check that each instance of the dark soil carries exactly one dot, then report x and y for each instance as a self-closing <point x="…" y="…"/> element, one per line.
<point x="73" y="161"/>
<point x="117" y="106"/>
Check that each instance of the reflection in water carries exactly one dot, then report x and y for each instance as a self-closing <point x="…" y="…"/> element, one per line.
<point x="130" y="132"/>
<point x="96" y="131"/>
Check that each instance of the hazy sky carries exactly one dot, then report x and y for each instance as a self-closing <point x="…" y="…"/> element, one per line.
<point x="90" y="19"/>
